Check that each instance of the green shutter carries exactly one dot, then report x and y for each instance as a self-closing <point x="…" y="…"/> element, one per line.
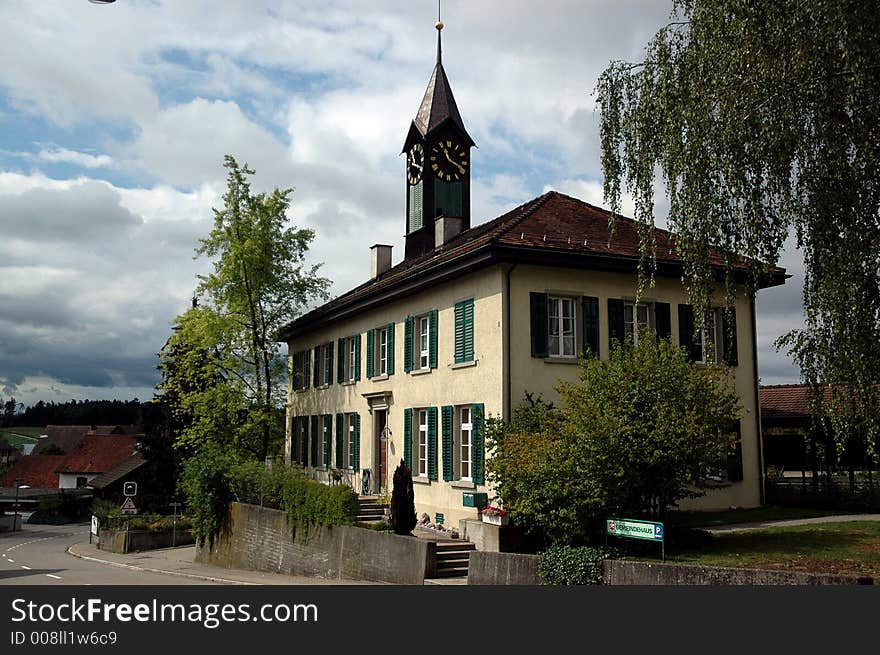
<point x="328" y="430"/>
<point x="616" y="328"/>
<point x="407" y="436"/>
<point x="371" y="336"/>
<point x="686" y="333"/>
<point x="340" y="440"/>
<point x="447" y="198"/>
<point x="314" y="457"/>
<point x="432" y="443"/>
<point x="357" y="357"/>
<point x="464" y="331"/>
<point x="296" y="371"/>
<point x="539" y="330"/>
<point x="408" y="344"/>
<point x="316" y="369"/>
<point x="662" y="320"/>
<point x="356" y="446"/>
<point x="328" y="364"/>
<point x="304" y="440"/>
<point x="446" y="413"/>
<point x="340" y="361"/>
<point x="590" y="308"/>
<point x="432" y="339"/>
<point x="307" y="368"/>
<point x="478" y="448"/>
<point x="728" y="325"/>
<point x="390" y="328"/>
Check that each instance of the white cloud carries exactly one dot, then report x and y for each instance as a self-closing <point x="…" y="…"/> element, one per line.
<point x="67" y="156"/>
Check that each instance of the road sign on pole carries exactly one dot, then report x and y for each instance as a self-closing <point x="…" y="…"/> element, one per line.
<point x="129" y="489"/>
<point x="128" y="507"/>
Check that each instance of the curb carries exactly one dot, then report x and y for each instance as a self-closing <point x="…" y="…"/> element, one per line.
<point x="180" y="574"/>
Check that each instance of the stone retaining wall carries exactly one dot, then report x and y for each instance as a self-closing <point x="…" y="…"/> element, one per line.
<point x="261" y="539"/>
<point x="115" y="541"/>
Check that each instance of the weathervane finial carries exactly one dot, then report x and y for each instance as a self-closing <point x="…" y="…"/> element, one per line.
<point x="439" y="26"/>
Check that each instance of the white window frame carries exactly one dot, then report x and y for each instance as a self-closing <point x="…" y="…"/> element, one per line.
<point x="561" y="320"/>
<point x="348" y="443"/>
<point x="422" y="442"/>
<point x="465" y="427"/>
<point x="324" y="440"/>
<point x="424" y="325"/>
<point x="349" y="358"/>
<point x="632" y="325"/>
<point x="382" y="351"/>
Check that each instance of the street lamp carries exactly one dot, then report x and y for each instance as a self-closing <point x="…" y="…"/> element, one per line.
<point x="18" y="485"/>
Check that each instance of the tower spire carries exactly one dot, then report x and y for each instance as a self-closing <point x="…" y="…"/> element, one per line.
<point x="439" y="26"/>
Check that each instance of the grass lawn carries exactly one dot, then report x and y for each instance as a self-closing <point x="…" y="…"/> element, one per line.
<point x="845" y="548"/>
<point x="18" y="436"/>
<point x="757" y="514"/>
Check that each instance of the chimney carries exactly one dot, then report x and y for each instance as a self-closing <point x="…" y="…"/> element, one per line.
<point x="380" y="260"/>
<point x="446" y="228"/>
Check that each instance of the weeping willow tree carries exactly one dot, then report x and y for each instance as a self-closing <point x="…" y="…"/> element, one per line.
<point x="761" y="117"/>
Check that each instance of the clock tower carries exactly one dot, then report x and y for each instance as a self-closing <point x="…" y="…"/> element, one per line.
<point x="438" y="167"/>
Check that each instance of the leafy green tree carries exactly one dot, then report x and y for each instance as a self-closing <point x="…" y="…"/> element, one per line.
<point x="762" y="117"/>
<point x="638" y="433"/>
<point x="224" y="361"/>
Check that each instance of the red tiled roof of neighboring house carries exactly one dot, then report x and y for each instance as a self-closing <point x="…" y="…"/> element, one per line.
<point x="38" y="471"/>
<point x="99" y="453"/>
<point x="554" y="224"/>
<point x="118" y="472"/>
<point x="65" y="437"/>
<point x="785" y="401"/>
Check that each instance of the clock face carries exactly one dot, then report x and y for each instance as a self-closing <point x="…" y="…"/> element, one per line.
<point x="415" y="163"/>
<point x="449" y="160"/>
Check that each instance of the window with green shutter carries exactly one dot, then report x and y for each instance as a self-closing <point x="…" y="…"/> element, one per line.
<point x="408" y="344"/>
<point x="538" y="329"/>
<point x="340" y="361"/>
<point x="432" y="443"/>
<point x="327" y="440"/>
<point x="616" y="327"/>
<point x="432" y="339"/>
<point x="357" y="357"/>
<point x="590" y="309"/>
<point x="464" y="331"/>
<point x="304" y="440"/>
<point x="390" y="331"/>
<point x="693" y="347"/>
<point x="479" y="445"/>
<point x="407" y="437"/>
<point x="662" y="320"/>
<point x="446" y="418"/>
<point x="447" y="198"/>
<point x="340" y="440"/>
<point x="355" y="441"/>
<point x="314" y="444"/>
<point x="370" y="354"/>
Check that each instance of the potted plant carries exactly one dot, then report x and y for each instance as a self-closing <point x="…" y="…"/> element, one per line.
<point x="494" y="515"/>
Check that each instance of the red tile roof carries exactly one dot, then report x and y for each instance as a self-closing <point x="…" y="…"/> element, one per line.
<point x="38" y="471"/>
<point x="99" y="453"/>
<point x="785" y="401"/>
<point x="553" y="223"/>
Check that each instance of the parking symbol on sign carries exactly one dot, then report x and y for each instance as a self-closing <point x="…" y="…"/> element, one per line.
<point x="658" y="531"/>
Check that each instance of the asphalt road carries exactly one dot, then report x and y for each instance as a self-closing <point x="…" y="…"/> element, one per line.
<point x="37" y="555"/>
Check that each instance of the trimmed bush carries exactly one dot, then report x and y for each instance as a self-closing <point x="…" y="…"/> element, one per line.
<point x="403" y="501"/>
<point x="571" y="565"/>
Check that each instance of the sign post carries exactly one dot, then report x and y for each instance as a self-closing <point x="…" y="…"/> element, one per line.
<point x="636" y="529"/>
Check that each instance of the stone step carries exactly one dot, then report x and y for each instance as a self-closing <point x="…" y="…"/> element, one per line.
<point x="451" y="573"/>
<point x="446" y="547"/>
<point x="453" y="563"/>
<point x="371" y="508"/>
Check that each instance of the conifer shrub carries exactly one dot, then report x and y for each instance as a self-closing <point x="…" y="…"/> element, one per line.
<point x="403" y="501"/>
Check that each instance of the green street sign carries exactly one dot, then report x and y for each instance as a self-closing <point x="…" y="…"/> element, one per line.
<point x="439" y="518"/>
<point x="634" y="529"/>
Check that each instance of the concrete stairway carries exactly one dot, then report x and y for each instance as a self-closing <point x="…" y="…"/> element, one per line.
<point x="370" y="510"/>
<point x="453" y="558"/>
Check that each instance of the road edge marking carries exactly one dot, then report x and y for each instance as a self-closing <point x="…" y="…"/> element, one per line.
<point x="152" y="570"/>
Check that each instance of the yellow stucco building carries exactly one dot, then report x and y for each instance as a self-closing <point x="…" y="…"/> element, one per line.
<point x="408" y="365"/>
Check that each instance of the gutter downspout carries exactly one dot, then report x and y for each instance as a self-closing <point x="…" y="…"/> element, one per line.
<point x="507" y="356"/>
<point x="757" y="399"/>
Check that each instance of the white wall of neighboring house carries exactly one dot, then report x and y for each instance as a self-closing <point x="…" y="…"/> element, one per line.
<point x="68" y="480"/>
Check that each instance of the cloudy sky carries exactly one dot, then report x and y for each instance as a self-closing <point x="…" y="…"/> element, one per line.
<point x="114" y="120"/>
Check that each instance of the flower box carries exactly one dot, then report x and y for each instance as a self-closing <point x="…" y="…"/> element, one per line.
<point x="494" y="519"/>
